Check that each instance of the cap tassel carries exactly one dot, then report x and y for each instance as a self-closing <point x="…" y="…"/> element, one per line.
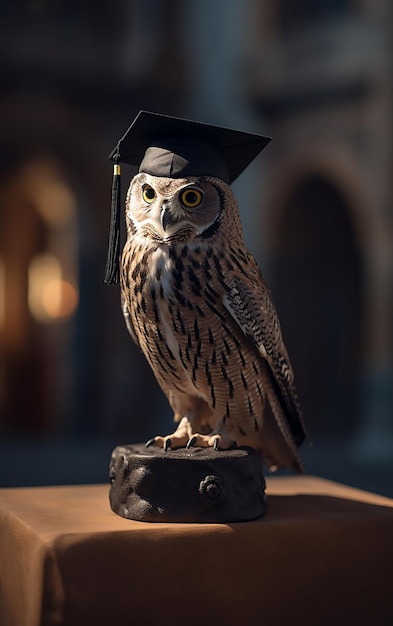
<point x="113" y="257"/>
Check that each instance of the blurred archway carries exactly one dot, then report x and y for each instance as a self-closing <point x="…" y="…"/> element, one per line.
<point x="317" y="287"/>
<point x="39" y="288"/>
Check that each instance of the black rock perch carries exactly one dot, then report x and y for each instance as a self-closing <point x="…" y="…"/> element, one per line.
<point x="195" y="485"/>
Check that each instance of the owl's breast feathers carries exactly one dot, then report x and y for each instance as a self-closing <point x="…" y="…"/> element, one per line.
<point x="206" y="324"/>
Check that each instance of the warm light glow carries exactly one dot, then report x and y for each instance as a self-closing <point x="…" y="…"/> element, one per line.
<point x="2" y="293"/>
<point x="59" y="298"/>
<point x="50" y="296"/>
<point x="51" y="195"/>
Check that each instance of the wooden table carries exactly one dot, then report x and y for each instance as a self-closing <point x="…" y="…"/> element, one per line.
<point x="322" y="555"/>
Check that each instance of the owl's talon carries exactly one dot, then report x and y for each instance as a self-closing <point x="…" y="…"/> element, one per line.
<point x="151" y="442"/>
<point x="215" y="444"/>
<point x="191" y="442"/>
<point x="167" y="445"/>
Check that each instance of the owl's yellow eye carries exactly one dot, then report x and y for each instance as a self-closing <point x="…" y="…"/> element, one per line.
<point x="148" y="193"/>
<point x="191" y="197"/>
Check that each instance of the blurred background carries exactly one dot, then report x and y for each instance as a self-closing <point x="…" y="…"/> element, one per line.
<point x="317" y="208"/>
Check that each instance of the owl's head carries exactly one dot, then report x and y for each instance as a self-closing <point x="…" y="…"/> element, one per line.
<point x="179" y="193"/>
<point x="169" y="210"/>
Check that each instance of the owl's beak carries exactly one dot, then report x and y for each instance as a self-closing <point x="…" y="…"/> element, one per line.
<point x="166" y="217"/>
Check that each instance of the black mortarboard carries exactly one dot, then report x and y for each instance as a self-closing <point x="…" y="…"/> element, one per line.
<point x="162" y="145"/>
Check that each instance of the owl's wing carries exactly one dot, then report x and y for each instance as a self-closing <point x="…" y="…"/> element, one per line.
<point x="128" y="320"/>
<point x="249" y="302"/>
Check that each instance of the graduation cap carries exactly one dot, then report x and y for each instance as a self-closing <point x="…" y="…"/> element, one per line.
<point x="162" y="145"/>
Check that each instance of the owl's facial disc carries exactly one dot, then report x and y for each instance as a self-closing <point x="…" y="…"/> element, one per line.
<point x="168" y="210"/>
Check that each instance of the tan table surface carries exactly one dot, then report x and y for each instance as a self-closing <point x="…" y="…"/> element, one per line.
<point x="322" y="555"/>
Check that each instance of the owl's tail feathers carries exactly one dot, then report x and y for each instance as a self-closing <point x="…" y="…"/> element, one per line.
<point x="279" y="447"/>
<point x="277" y="450"/>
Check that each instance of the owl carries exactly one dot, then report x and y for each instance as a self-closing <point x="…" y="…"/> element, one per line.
<point x="195" y="303"/>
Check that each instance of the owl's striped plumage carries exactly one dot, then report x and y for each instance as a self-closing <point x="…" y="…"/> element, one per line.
<point x="195" y="302"/>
